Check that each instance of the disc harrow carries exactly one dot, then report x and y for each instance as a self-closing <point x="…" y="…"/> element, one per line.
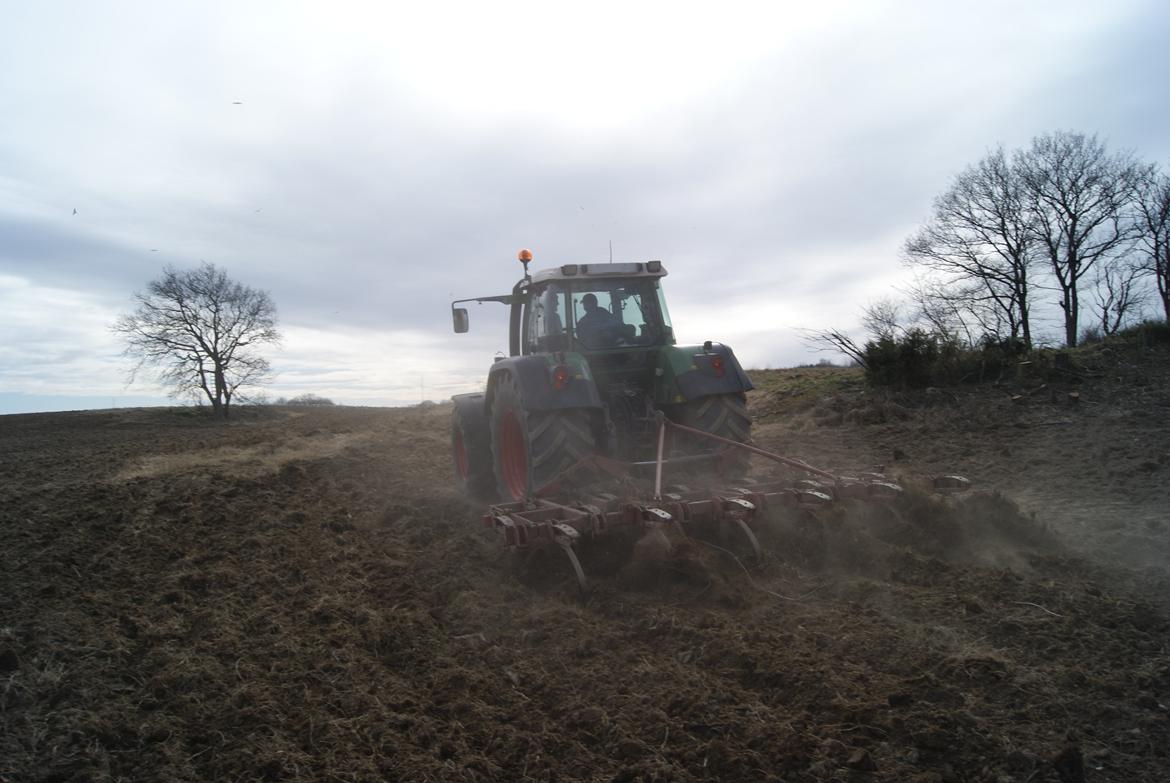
<point x="562" y="514"/>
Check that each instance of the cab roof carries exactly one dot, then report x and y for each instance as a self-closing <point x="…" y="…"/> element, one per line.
<point x="569" y="272"/>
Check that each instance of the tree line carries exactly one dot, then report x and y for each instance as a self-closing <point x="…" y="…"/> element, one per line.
<point x="1064" y="215"/>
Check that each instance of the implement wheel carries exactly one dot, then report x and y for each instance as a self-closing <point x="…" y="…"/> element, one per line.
<point x="471" y="448"/>
<point x="725" y="415"/>
<point x="530" y="448"/>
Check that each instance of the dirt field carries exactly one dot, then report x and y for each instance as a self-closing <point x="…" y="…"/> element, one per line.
<point x="299" y="595"/>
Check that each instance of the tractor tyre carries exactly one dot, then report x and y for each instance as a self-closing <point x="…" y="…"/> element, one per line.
<point x="530" y="448"/>
<point x="471" y="451"/>
<point x="725" y="415"/>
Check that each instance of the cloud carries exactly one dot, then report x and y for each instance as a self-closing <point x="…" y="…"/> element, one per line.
<point x="383" y="161"/>
<point x="54" y="341"/>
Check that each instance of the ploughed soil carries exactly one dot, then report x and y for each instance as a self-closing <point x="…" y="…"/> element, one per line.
<point x="300" y="595"/>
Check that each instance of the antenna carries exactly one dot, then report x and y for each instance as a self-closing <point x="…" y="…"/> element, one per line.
<point x="611" y="251"/>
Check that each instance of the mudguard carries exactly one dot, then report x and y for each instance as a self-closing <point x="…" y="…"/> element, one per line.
<point x="535" y="375"/>
<point x="472" y="406"/>
<point x="686" y="372"/>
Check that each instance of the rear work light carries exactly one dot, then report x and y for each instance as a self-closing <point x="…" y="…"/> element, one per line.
<point x="560" y="377"/>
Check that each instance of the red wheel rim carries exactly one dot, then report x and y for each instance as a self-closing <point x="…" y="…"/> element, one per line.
<point x="460" y="456"/>
<point x="513" y="456"/>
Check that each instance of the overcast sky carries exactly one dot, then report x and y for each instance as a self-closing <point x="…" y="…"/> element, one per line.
<point x="383" y="159"/>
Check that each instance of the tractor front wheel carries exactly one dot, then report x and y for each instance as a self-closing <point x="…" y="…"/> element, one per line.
<point x="471" y="451"/>
<point x="531" y="448"/>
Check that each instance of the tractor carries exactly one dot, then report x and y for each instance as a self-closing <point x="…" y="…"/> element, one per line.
<point x="592" y="367"/>
<point x="597" y="421"/>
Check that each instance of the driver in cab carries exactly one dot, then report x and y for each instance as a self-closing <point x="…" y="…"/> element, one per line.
<point x="599" y="327"/>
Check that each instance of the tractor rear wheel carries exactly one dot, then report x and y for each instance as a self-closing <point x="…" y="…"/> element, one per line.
<point x="530" y="448"/>
<point x="725" y="415"/>
<point x="471" y="449"/>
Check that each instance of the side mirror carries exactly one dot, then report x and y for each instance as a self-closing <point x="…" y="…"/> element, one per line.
<point x="459" y="316"/>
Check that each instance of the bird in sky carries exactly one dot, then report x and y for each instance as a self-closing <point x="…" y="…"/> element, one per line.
<point x="154" y="250"/>
<point x="75" y="210"/>
<point x="237" y="103"/>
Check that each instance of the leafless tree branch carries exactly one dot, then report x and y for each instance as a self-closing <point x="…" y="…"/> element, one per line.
<point x="835" y="341"/>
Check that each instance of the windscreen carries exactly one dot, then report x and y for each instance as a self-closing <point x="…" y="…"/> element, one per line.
<point x="609" y="315"/>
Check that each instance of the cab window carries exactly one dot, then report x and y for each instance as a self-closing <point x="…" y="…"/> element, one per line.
<point x="617" y="316"/>
<point x="545" y="325"/>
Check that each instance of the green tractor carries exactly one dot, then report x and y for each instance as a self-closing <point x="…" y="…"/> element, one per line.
<point x="592" y="369"/>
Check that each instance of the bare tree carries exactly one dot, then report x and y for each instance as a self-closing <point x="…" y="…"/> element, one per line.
<point x="201" y="330"/>
<point x="1077" y="195"/>
<point x="1153" y="218"/>
<point x="1118" y="294"/>
<point x="952" y="309"/>
<point x="882" y="320"/>
<point x="978" y="244"/>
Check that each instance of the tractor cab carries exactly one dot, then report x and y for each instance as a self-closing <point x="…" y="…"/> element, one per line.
<point x="614" y="316"/>
<point x="595" y="307"/>
<point x="584" y="308"/>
